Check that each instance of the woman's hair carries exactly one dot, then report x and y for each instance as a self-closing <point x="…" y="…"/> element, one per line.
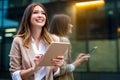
<point x="24" y="30"/>
<point x="59" y="24"/>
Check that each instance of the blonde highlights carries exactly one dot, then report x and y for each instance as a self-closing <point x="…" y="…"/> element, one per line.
<point x="24" y="28"/>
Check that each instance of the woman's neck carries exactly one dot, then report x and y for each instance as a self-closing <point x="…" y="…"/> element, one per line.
<point x="36" y="34"/>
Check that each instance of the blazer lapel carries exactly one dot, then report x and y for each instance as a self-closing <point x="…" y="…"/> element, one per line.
<point x="31" y="55"/>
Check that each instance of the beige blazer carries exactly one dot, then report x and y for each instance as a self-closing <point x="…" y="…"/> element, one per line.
<point x="22" y="58"/>
<point x="65" y="74"/>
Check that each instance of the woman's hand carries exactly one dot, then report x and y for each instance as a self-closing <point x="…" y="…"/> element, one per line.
<point x="57" y="62"/>
<point x="37" y="59"/>
<point x="81" y="58"/>
<point x="25" y="74"/>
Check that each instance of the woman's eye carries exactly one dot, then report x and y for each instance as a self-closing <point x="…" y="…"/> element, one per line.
<point x="43" y="13"/>
<point x="35" y="12"/>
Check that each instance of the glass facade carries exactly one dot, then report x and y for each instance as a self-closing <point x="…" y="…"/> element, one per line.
<point x="95" y="28"/>
<point x="95" y="23"/>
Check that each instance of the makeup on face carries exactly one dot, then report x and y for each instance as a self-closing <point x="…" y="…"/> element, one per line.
<point x="38" y="17"/>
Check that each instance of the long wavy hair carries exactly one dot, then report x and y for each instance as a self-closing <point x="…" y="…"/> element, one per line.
<point x="59" y="24"/>
<point x="24" y="30"/>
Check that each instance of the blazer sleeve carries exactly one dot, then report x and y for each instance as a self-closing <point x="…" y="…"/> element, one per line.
<point x="15" y="56"/>
<point x="67" y="57"/>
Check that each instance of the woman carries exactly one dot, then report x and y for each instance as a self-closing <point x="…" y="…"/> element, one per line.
<point x="30" y="44"/>
<point x="61" y="26"/>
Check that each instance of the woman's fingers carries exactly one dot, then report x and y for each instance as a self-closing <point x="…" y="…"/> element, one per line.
<point x="81" y="55"/>
<point x="59" y="61"/>
<point x="37" y="58"/>
<point x="60" y="57"/>
<point x="81" y="58"/>
<point x="84" y="58"/>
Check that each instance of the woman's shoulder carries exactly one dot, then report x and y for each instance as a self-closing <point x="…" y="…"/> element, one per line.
<point x="17" y="39"/>
<point x="60" y="39"/>
<point x="55" y="37"/>
<point x="64" y="39"/>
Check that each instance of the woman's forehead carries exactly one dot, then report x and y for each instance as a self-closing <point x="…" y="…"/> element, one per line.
<point x="38" y="8"/>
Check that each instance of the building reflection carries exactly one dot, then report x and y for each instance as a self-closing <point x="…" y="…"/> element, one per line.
<point x="96" y="23"/>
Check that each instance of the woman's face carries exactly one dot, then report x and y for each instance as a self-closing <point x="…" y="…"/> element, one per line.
<point x="38" y="17"/>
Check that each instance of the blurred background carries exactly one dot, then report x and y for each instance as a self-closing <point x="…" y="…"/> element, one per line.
<point x="96" y="23"/>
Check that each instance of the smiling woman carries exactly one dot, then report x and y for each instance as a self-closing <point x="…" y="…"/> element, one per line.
<point x="38" y="17"/>
<point x="29" y="44"/>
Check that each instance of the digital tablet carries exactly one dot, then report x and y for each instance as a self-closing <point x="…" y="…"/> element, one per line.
<point x="54" y="50"/>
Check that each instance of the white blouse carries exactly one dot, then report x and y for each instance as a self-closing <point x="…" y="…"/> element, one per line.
<point x="40" y="74"/>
